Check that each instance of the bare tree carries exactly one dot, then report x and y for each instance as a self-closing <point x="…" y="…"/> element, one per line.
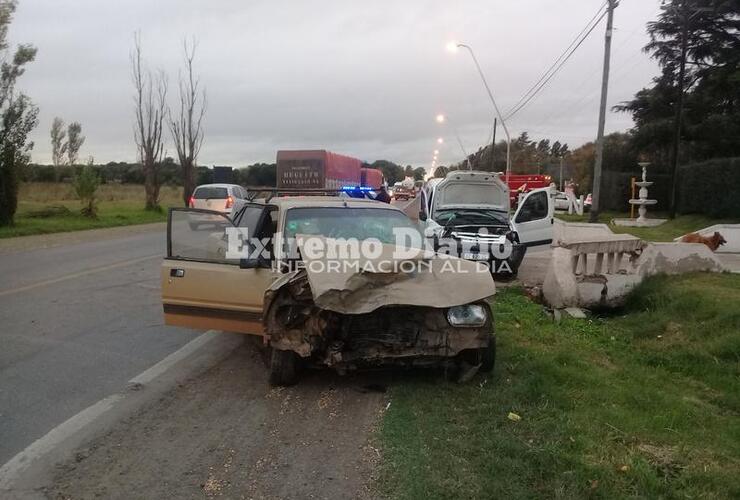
<point x="58" y="142"/>
<point x="186" y="127"/>
<point x="75" y="139"/>
<point x="150" y="100"/>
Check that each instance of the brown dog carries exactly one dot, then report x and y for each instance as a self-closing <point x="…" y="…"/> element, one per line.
<point x="713" y="242"/>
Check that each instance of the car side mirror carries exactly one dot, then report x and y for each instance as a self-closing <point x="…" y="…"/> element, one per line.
<point x="422" y="215"/>
<point x="258" y="263"/>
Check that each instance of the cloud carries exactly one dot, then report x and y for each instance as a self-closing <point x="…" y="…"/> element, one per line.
<point x="362" y="78"/>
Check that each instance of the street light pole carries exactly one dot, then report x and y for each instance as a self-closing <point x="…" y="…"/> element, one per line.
<point x="594" y="213"/>
<point x="495" y="106"/>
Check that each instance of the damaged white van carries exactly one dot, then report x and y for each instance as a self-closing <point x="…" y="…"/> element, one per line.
<point x="467" y="214"/>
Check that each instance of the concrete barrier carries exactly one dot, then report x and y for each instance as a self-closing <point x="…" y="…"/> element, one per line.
<point x="592" y="268"/>
<point x="565" y="232"/>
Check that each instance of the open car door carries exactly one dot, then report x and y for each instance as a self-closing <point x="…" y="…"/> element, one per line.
<point x="534" y="217"/>
<point x="204" y="286"/>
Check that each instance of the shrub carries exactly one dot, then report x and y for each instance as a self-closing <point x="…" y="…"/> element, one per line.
<point x="711" y="187"/>
<point x="85" y="185"/>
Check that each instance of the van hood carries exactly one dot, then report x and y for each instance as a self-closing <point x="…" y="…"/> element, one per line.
<point x="471" y="190"/>
<point x="370" y="283"/>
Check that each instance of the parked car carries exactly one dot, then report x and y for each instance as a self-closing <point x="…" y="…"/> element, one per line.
<point x="472" y="208"/>
<point x="217" y="197"/>
<point x="587" y="203"/>
<point x="561" y="201"/>
<point x="345" y="319"/>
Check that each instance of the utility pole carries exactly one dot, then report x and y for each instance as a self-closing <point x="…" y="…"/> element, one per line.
<point x="594" y="214"/>
<point x="493" y="145"/>
<point x="562" y="157"/>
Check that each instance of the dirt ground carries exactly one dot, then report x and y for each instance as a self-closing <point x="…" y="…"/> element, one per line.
<point x="229" y="434"/>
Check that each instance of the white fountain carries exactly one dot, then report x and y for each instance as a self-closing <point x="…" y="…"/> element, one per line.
<point x="642" y="201"/>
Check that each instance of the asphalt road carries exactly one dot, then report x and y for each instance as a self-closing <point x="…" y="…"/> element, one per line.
<point x="77" y="321"/>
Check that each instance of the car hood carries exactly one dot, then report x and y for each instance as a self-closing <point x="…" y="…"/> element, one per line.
<point x="472" y="190"/>
<point x="387" y="279"/>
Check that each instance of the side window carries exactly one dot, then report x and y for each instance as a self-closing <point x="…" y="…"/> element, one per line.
<point x="198" y="235"/>
<point x="534" y="208"/>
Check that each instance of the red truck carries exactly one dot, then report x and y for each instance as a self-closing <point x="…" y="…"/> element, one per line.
<point x="320" y="169"/>
<point x="523" y="183"/>
<point x="371" y="177"/>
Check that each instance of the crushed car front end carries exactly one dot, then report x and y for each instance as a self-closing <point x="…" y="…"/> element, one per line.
<point x="409" y="335"/>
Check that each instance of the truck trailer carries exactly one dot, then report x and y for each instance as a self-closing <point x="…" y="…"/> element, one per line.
<point x="317" y="169"/>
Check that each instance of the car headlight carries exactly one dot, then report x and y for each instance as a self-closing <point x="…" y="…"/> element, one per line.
<point x="468" y="315"/>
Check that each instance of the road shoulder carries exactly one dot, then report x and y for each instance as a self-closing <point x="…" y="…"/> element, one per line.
<point x="31" y="471"/>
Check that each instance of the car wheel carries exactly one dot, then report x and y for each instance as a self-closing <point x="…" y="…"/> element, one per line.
<point x="485" y="356"/>
<point x="488" y="356"/>
<point x="283" y="367"/>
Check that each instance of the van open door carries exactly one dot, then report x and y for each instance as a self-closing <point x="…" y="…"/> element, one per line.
<point x="534" y="218"/>
<point x="203" y="285"/>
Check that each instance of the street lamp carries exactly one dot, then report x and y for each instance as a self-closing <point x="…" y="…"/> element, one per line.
<point x="453" y="47"/>
<point x="444" y="118"/>
<point x="440" y="140"/>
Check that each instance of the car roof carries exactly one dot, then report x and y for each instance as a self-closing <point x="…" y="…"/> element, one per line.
<point x="286" y="202"/>
<point x="221" y="185"/>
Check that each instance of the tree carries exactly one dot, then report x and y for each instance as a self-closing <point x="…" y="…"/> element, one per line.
<point x="440" y="172"/>
<point x="58" y="142"/>
<point x="186" y="127"/>
<point x="391" y="171"/>
<point x="150" y="99"/>
<point x="85" y="185"/>
<point x="704" y="35"/>
<point x="75" y="139"/>
<point x="419" y="173"/>
<point x="18" y="115"/>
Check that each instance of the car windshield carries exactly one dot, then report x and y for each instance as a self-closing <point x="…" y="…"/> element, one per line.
<point x="347" y="222"/>
<point x="210" y="193"/>
<point x="470" y="216"/>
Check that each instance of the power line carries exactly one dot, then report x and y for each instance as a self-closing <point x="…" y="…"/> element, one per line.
<point x="544" y="75"/>
<point x="625" y="65"/>
<point x="539" y="87"/>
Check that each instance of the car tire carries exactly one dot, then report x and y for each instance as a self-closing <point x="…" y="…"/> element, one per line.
<point x="488" y="356"/>
<point x="484" y="356"/>
<point x="283" y="367"/>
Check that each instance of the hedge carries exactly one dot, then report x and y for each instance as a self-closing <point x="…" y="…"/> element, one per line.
<point x="616" y="190"/>
<point x="711" y="187"/>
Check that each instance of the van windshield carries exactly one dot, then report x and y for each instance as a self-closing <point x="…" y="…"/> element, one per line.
<point x="471" y="194"/>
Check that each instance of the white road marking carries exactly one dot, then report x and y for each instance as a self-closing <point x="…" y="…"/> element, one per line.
<point x="19" y="463"/>
<point x="155" y="371"/>
<point x="77" y="275"/>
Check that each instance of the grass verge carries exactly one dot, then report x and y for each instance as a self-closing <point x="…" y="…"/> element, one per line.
<point x="119" y="205"/>
<point x="644" y="405"/>
<point x="667" y="231"/>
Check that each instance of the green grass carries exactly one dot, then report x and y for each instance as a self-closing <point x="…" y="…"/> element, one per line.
<point x="645" y="404"/>
<point x="665" y="232"/>
<point x="119" y="205"/>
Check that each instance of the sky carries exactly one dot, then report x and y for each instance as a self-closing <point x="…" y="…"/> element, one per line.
<point x="360" y="78"/>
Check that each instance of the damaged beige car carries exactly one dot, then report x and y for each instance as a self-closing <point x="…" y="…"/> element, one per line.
<point x="326" y="284"/>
